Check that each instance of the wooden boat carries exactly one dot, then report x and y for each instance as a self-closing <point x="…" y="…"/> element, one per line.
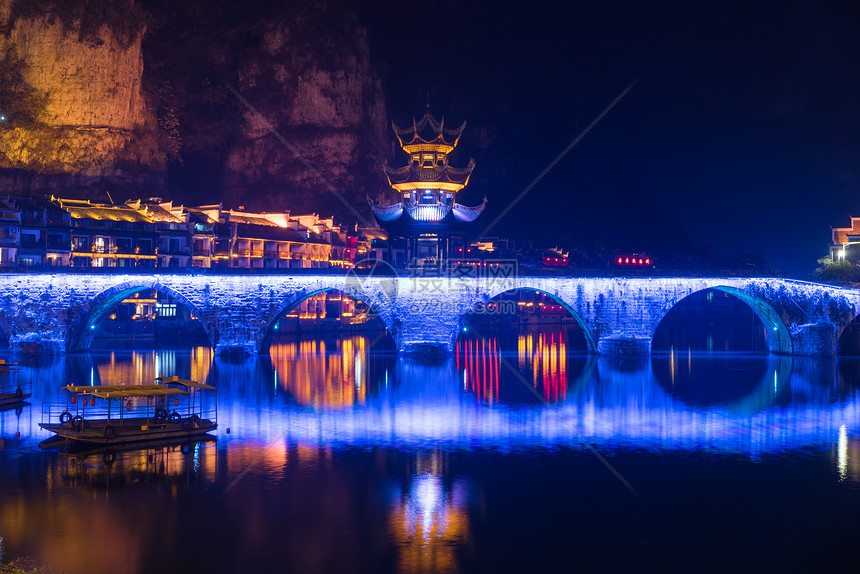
<point x="12" y="394"/>
<point x="118" y="414"/>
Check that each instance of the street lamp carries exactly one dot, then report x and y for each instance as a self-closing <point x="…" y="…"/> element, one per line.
<point x="843" y="251"/>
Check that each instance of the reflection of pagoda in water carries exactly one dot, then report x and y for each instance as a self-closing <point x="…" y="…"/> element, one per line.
<point x="427" y="219"/>
<point x="430" y="522"/>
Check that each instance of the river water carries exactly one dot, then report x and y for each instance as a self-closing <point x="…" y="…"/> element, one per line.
<point x="343" y="459"/>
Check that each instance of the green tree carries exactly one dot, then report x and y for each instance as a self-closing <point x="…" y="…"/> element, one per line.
<point x="839" y="270"/>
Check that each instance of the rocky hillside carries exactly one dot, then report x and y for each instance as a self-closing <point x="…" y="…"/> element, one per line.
<point x="71" y="99"/>
<point x="135" y="97"/>
<point x="324" y="100"/>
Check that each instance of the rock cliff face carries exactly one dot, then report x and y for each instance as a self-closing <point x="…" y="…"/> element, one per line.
<point x="100" y="95"/>
<point x="321" y="95"/>
<point x="76" y="106"/>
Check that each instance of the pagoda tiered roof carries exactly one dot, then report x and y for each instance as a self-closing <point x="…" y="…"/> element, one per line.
<point x="428" y="213"/>
<point x="427" y="134"/>
<point x="442" y="177"/>
<point x="428" y="185"/>
<point x="468" y="213"/>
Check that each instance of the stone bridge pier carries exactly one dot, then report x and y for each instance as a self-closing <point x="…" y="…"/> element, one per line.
<point x="239" y="313"/>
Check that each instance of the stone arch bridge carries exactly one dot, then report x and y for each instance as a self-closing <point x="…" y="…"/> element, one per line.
<point x="57" y="311"/>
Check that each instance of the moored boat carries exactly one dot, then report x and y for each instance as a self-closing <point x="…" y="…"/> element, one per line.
<point x="116" y="414"/>
<point x="12" y="393"/>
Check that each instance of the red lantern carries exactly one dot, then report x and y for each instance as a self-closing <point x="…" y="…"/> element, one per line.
<point x="175" y="402"/>
<point x="128" y="406"/>
<point x="93" y="402"/>
<point x="74" y="399"/>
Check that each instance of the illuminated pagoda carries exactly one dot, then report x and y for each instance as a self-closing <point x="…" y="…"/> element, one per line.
<point x="427" y="220"/>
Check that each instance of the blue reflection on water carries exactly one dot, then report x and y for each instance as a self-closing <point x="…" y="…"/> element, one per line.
<point x="744" y="404"/>
<point x="437" y="461"/>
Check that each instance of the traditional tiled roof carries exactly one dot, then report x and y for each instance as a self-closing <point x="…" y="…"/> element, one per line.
<point x="84" y="209"/>
<point x="276" y="233"/>
<point x="426" y="134"/>
<point x="388" y="213"/>
<point x="237" y="218"/>
<point x="428" y="121"/>
<point x="442" y="173"/>
<point x="157" y="213"/>
<point x="427" y="213"/>
<point x="467" y="213"/>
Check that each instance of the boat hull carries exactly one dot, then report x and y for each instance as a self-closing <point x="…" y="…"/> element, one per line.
<point x="95" y="432"/>
<point x="9" y="399"/>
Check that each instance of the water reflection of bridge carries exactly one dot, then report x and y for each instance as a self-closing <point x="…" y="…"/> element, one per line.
<point x="413" y="423"/>
<point x="772" y="403"/>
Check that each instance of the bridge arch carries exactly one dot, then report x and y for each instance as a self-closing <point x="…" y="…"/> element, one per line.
<point x="778" y="337"/>
<point x="82" y="331"/>
<point x="292" y="302"/>
<point x="484" y="306"/>
<point x="848" y="338"/>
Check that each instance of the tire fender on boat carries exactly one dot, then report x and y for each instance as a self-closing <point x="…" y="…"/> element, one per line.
<point x="110" y="432"/>
<point x="79" y="424"/>
<point x="65" y="417"/>
<point x="175" y="417"/>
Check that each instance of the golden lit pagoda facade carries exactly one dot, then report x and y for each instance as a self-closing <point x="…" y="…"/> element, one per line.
<point x="427" y="220"/>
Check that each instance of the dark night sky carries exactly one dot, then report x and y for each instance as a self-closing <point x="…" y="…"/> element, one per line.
<point x="742" y="133"/>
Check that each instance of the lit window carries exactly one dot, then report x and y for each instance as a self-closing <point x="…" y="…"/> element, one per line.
<point x="165" y="310"/>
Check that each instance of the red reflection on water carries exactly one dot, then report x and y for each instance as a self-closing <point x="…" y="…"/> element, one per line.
<point x="544" y="355"/>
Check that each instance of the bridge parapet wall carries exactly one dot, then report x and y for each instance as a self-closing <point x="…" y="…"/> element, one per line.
<point x="619" y="315"/>
<point x="58" y="312"/>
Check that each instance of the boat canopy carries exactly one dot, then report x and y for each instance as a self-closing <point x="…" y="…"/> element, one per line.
<point x="157" y="390"/>
<point x="124" y="391"/>
<point x="129" y="393"/>
<point x="185" y="382"/>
